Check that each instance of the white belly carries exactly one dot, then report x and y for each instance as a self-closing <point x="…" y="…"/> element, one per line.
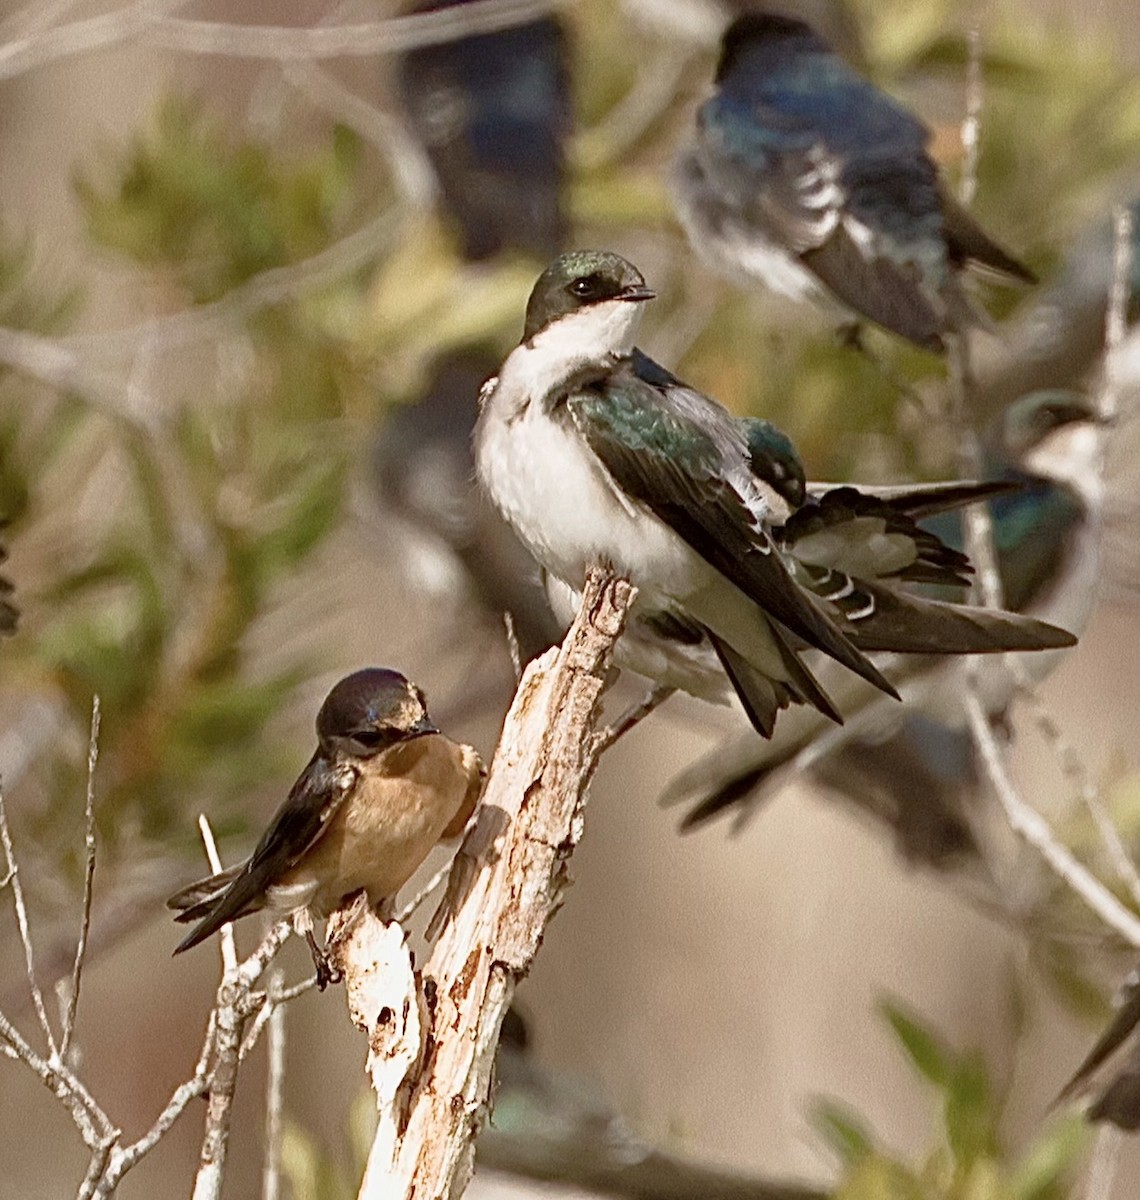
<point x="569" y="513"/>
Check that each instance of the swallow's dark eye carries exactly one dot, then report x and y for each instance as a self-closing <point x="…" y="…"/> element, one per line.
<point x="369" y="738"/>
<point x="588" y="286"/>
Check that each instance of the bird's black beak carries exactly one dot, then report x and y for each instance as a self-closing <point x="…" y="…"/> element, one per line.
<point x="636" y="293"/>
<point x="422" y="727"/>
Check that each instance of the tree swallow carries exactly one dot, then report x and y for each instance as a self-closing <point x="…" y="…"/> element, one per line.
<point x="914" y="770"/>
<point x="383" y="787"/>
<point x="493" y="111"/>
<point x="806" y="176"/>
<point x="596" y="454"/>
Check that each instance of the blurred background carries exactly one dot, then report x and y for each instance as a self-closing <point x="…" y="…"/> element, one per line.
<point x="245" y="308"/>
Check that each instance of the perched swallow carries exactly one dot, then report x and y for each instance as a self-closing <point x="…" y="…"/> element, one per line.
<point x="9" y="613"/>
<point x="1107" y="1083"/>
<point x="383" y="787"/>
<point x="914" y="769"/>
<point x="804" y="175"/>
<point x="493" y="111"/>
<point x="596" y="454"/>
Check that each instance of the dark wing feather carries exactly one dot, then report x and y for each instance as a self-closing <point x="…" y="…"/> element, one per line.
<point x="921" y="500"/>
<point x="662" y="459"/>
<point x="969" y="242"/>
<point x="312" y="802"/>
<point x="914" y="625"/>
<point x="1118" y="1101"/>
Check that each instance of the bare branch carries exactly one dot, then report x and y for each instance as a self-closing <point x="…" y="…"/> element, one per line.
<point x="122" y="1160"/>
<point x="274" y="1091"/>
<point x="1116" y="318"/>
<point x="12" y="880"/>
<point x="226" y="934"/>
<point x="527" y="825"/>
<point x="1029" y="825"/>
<point x="230" y="1016"/>
<point x="634" y="715"/>
<point x="93" y="1125"/>
<point x="282" y="43"/>
<point x="972" y="121"/>
<point x="88" y="885"/>
<point x="513" y="645"/>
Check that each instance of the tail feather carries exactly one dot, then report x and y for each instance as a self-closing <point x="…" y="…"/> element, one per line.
<point x="915" y="625"/>
<point x="215" y="902"/>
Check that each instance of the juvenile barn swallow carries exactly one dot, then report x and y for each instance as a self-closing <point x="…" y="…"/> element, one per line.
<point x="806" y="176"/>
<point x="596" y="454"/>
<point x="493" y="111"/>
<point x="383" y="787"/>
<point x="914" y="768"/>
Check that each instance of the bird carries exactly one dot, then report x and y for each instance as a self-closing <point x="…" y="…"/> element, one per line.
<point x="493" y="111"/>
<point x="383" y="787"/>
<point x="914" y="769"/>
<point x="804" y="175"/>
<point x="1107" y="1082"/>
<point x="423" y="472"/>
<point x="597" y="455"/>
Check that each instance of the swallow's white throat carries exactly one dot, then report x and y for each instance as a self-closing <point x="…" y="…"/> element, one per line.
<point x="590" y="336"/>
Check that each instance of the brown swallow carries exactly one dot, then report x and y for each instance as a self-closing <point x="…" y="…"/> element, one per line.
<point x="383" y="787"/>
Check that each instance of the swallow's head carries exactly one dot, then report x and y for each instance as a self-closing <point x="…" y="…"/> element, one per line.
<point x="370" y="711"/>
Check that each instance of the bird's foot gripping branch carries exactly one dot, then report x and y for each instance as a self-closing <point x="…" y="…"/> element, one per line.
<point x="432" y="1032"/>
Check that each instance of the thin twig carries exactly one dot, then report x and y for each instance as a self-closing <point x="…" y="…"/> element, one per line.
<point x="634" y="715"/>
<point x="1116" y="316"/>
<point x="93" y="1124"/>
<point x="231" y="1014"/>
<point x="124" y="1158"/>
<point x="432" y="884"/>
<point x="12" y="880"/>
<point x="138" y="22"/>
<point x="513" y="644"/>
<point x="88" y="885"/>
<point x="274" y="1091"/>
<point x="1032" y="827"/>
<point x="229" y="951"/>
<point x="972" y="121"/>
<point x="1074" y="769"/>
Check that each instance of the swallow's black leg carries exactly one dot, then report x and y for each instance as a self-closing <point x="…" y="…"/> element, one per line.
<point x="326" y="972"/>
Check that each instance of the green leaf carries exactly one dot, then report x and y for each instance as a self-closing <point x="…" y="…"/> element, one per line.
<point x="1043" y="1171"/>
<point x="971" y="1123"/>
<point x="921" y="1045"/>
<point x="843" y="1130"/>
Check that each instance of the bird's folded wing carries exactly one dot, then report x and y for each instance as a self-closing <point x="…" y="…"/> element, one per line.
<point x="312" y="803"/>
<point x="1099" y="1060"/>
<point x="920" y="500"/>
<point x="915" y="625"/>
<point x="861" y="535"/>
<point x="662" y="458"/>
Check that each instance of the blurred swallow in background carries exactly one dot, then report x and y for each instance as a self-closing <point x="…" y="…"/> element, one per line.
<point x="424" y="472"/>
<point x="383" y="787"/>
<point x="914" y="768"/>
<point x="804" y="175"/>
<point x="9" y="613"/>
<point x="493" y="112"/>
<point x="594" y="453"/>
<point x="1107" y="1083"/>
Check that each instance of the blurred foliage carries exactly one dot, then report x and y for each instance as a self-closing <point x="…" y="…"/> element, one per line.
<point x="971" y="1160"/>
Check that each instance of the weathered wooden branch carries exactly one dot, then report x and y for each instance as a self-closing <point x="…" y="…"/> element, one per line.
<point x="432" y="1033"/>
